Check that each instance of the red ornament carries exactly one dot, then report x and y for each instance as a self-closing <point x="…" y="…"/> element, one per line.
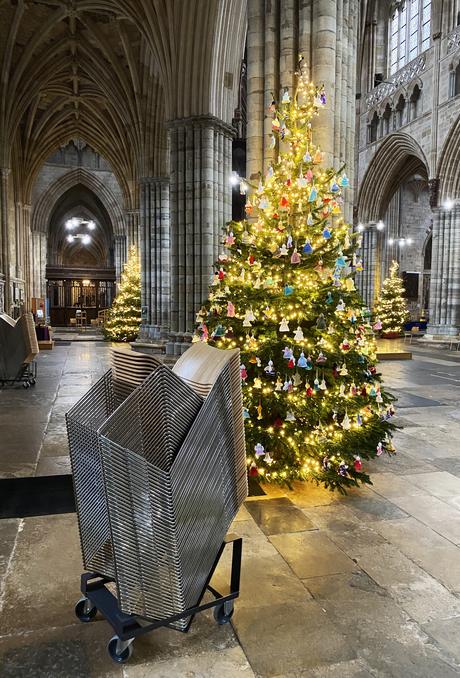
<point x="221" y="274"/>
<point x="253" y="471"/>
<point x="248" y="208"/>
<point x="288" y="182"/>
<point x="278" y="423"/>
<point x="291" y="363"/>
<point x="309" y="391"/>
<point x="284" y="202"/>
<point x="358" y="464"/>
<point x="363" y="391"/>
<point x="244" y="373"/>
<point x="251" y="259"/>
<point x="276" y="215"/>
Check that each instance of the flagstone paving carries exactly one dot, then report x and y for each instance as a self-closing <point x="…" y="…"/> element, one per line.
<point x="350" y="587"/>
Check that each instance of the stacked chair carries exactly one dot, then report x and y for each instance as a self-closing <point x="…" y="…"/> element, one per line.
<point x="18" y="349"/>
<point x="159" y="476"/>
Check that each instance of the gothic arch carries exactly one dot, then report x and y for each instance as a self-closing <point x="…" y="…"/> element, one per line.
<point x="449" y="163"/>
<point x="44" y="207"/>
<point x="398" y="156"/>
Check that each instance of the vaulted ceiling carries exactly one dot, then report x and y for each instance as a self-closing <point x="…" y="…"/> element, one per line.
<point x="111" y="72"/>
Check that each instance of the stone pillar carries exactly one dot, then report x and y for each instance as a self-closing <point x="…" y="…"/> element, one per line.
<point x="121" y="253"/>
<point x="132" y="222"/>
<point x="27" y="261"/>
<point x="155" y="255"/>
<point x="325" y="32"/>
<point x="366" y="281"/>
<point x="38" y="263"/>
<point x="200" y="195"/>
<point x="5" y="240"/>
<point x="445" y="273"/>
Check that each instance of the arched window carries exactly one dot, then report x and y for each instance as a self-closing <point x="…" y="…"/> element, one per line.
<point x="373" y="127"/>
<point x="400" y="110"/>
<point x="387" y="127"/>
<point x="410" y="31"/>
<point x="415" y="103"/>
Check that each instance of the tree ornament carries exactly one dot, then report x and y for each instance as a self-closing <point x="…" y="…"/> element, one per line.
<point x="230" y="310"/>
<point x="295" y="258"/>
<point x="279" y="385"/>
<point x="321" y="359"/>
<point x="221" y="274"/>
<point x="316" y="384"/>
<point x="345" y="345"/>
<point x="343" y="469"/>
<point x="329" y="298"/>
<point x="308" y="390"/>
<point x="243" y="372"/>
<point x="342" y="391"/>
<point x="270" y="172"/>
<point x="343" y="370"/>
<point x="253" y="470"/>
<point x="286" y="384"/>
<point x="246" y="414"/>
<point x="284" y="202"/>
<point x="310" y="220"/>
<point x="283" y="251"/>
<point x="269" y="369"/>
<point x="257" y="382"/>
<point x="299" y="335"/>
<point x="288" y="353"/>
<point x="230" y="239"/>
<point x="291" y="363"/>
<point x="288" y="290"/>
<point x="284" y="325"/>
<point x="335" y="188"/>
<point x="248" y="207"/>
<point x="259" y="450"/>
<point x="307" y="157"/>
<point x="246" y="321"/>
<point x="318" y="157"/>
<point x="340" y="306"/>
<point x="313" y="194"/>
<point x="346" y="424"/>
<point x="286" y="98"/>
<point x="321" y="322"/>
<point x="276" y="124"/>
<point x="377" y="326"/>
<point x="359" y="420"/>
<point x="379" y="449"/>
<point x="326" y="233"/>
<point x="297" y="379"/>
<point x="259" y="411"/>
<point x="323" y="385"/>
<point x="344" y="181"/>
<point x="243" y="187"/>
<point x="268" y="459"/>
<point x="263" y="203"/>
<point x="307" y="248"/>
<point x="302" y="361"/>
<point x="290" y="416"/>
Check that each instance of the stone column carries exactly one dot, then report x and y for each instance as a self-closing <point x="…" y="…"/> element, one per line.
<point x="326" y="33"/>
<point x="4" y="231"/>
<point x="121" y="252"/>
<point x="132" y="221"/>
<point x="366" y="281"/>
<point x="155" y="255"/>
<point x="200" y="195"/>
<point x="445" y="273"/>
<point x="38" y="263"/>
<point x="27" y="261"/>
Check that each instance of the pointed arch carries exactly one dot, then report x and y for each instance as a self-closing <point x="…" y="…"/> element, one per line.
<point x="396" y="158"/>
<point x="449" y="165"/>
<point x="44" y="207"/>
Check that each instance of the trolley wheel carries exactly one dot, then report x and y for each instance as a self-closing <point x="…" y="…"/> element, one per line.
<point x="223" y="613"/>
<point x="25" y="384"/>
<point x="32" y="382"/>
<point x="119" y="657"/>
<point x="85" y="610"/>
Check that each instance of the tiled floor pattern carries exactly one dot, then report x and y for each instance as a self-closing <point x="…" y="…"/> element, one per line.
<point x="349" y="587"/>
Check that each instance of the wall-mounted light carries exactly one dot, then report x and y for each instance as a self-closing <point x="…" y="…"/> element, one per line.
<point x="448" y="204"/>
<point x="360" y="227"/>
<point x="234" y="179"/>
<point x="391" y="241"/>
<point x="380" y="225"/>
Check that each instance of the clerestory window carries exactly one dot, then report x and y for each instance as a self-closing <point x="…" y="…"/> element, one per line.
<point x="410" y="31"/>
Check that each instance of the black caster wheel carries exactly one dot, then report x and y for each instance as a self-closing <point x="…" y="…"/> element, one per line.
<point x="32" y="382"/>
<point x="223" y="613"/>
<point x="118" y="650"/>
<point x="85" y="610"/>
<point x="25" y="384"/>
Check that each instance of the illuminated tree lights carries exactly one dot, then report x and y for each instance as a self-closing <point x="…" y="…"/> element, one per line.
<point x="391" y="309"/>
<point x="283" y="292"/>
<point x="124" y="318"/>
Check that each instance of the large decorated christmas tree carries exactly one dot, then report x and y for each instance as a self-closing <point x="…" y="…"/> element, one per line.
<point x="124" y="318"/>
<point x="284" y="293"/>
<point x="391" y="309"/>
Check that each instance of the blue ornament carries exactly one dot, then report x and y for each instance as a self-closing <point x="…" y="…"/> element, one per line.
<point x="340" y="261"/>
<point x="359" y="420"/>
<point x="246" y="414"/>
<point x="288" y="353"/>
<point x="361" y="359"/>
<point x="344" y="181"/>
<point x="307" y="248"/>
<point x="288" y="290"/>
<point x="322" y="97"/>
<point x="335" y="187"/>
<point x="307" y="157"/>
<point x="329" y="298"/>
<point x="219" y="331"/>
<point x="326" y="234"/>
<point x="313" y="195"/>
<point x="302" y="361"/>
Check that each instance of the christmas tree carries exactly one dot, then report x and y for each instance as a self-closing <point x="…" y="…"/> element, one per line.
<point x="124" y="318"/>
<point x="284" y="293"/>
<point x="391" y="309"/>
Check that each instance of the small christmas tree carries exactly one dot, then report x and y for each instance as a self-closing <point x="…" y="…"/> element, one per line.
<point x="124" y="318"/>
<point x="391" y="309"/>
<point x="284" y="293"/>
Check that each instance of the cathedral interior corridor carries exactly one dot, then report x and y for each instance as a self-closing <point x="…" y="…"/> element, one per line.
<point x="229" y="338"/>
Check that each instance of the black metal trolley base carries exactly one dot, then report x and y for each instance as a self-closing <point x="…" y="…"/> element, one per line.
<point x="127" y="627"/>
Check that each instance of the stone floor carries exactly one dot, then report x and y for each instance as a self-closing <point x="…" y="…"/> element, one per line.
<point x="356" y="586"/>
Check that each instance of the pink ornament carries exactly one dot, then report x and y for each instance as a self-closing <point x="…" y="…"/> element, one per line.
<point x="295" y="258"/>
<point x="230" y="310"/>
<point x="358" y="464"/>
